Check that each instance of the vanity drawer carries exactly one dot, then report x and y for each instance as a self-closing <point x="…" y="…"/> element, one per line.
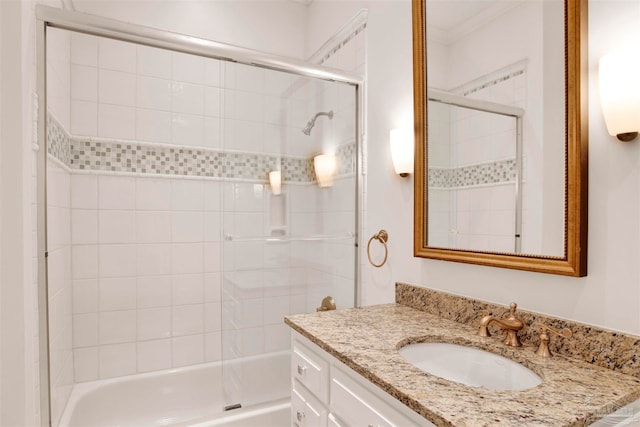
<point x="354" y="405"/>
<point x="306" y="410"/>
<point x="310" y="369"/>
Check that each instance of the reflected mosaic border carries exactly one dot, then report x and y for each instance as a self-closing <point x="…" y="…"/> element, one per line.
<point x="468" y="176"/>
<point x="82" y="154"/>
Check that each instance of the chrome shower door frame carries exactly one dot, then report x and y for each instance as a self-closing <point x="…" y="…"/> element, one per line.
<point x="47" y="16"/>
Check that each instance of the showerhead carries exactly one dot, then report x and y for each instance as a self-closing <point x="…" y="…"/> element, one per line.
<point x="312" y="122"/>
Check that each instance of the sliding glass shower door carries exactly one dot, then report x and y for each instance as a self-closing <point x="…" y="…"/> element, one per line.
<point x="289" y="239"/>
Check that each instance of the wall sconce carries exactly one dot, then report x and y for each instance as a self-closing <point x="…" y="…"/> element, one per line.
<point x="620" y="93"/>
<point x="275" y="180"/>
<point x="326" y="167"/>
<point x="402" y="147"/>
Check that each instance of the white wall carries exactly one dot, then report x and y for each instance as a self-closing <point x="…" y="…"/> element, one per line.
<point x="273" y="26"/>
<point x="19" y="387"/>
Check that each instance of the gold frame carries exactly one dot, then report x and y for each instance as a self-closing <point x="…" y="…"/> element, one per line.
<point x="574" y="261"/>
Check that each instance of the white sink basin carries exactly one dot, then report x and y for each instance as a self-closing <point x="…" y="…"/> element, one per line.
<point x="469" y="366"/>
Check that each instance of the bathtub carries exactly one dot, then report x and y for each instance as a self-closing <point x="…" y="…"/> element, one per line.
<point x="192" y="396"/>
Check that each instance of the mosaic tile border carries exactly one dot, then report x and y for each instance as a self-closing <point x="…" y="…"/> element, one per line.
<point x="468" y="176"/>
<point x="132" y="157"/>
<point x="335" y="49"/>
<point x="58" y="141"/>
<point x="494" y="82"/>
<point x="608" y="349"/>
<point x="491" y="79"/>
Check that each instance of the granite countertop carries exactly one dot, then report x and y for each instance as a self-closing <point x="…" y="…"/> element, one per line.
<point x="572" y="393"/>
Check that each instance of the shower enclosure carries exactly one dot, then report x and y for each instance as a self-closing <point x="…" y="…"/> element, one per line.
<point x="475" y="174"/>
<point x="168" y="247"/>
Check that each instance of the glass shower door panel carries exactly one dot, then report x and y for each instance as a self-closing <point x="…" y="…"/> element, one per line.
<point x="286" y="248"/>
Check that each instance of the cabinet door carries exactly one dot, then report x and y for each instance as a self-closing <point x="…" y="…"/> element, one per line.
<point x="352" y="403"/>
<point x="310" y="369"/>
<point x="306" y="410"/>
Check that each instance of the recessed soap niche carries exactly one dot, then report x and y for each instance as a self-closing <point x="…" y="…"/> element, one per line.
<point x="278" y="217"/>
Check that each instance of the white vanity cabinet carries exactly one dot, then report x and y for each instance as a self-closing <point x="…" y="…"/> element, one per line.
<point x="326" y="392"/>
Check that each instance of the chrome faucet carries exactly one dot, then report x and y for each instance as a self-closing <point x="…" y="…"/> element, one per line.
<point x="511" y="325"/>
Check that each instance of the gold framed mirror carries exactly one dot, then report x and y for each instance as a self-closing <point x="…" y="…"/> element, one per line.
<point x="501" y="133"/>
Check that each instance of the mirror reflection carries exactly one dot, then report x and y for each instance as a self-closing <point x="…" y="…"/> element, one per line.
<point x="496" y="126"/>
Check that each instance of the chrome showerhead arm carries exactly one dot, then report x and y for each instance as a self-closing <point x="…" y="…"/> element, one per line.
<point x="312" y="122"/>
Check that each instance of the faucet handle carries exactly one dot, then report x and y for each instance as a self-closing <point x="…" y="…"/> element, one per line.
<point x="512" y="310"/>
<point x="543" y="348"/>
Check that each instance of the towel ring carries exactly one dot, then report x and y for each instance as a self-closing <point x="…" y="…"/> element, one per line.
<point x="382" y="236"/>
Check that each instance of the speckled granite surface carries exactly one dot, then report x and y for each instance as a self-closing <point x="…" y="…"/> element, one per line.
<point x="609" y="349"/>
<point x="573" y="393"/>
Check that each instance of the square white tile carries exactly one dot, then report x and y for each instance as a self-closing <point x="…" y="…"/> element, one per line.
<point x="153" y="93"/>
<point x="85" y="296"/>
<point x="187" y="98"/>
<point x="188" y="350"/>
<point x="85" y="330"/>
<point x="85" y="364"/>
<point x="154" y="323"/>
<point x="153" y="194"/>
<point x="117" y="227"/>
<point x="154" y="291"/>
<point x="153" y="259"/>
<point x="84" y="83"/>
<point x="153" y="126"/>
<point x="188" y="68"/>
<point x="118" y="261"/>
<point x="117" y="360"/>
<point x="154" y="355"/>
<point x="116" y="192"/>
<point x="187" y="129"/>
<point x="187" y="195"/>
<point x="118" y="293"/>
<point x="117" y="327"/>
<point x="84" y="262"/>
<point x="153" y="227"/>
<point x="116" y="55"/>
<point x="153" y="62"/>
<point x="84" y="118"/>
<point x="187" y="227"/>
<point x="187" y="319"/>
<point x="84" y="49"/>
<point x="115" y="121"/>
<point x="187" y="289"/>
<point x="84" y="226"/>
<point x="84" y="191"/>
<point x="187" y="258"/>
<point x="117" y="88"/>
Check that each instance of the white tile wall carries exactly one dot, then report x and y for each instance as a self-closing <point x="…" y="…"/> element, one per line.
<point x="61" y="293"/>
<point x="147" y="252"/>
<point x="130" y="92"/>
<point x="139" y="248"/>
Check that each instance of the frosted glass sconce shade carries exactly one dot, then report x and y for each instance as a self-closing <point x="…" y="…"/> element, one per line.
<point x="401" y="141"/>
<point x="275" y="180"/>
<point x="620" y="93"/>
<point x="326" y="167"/>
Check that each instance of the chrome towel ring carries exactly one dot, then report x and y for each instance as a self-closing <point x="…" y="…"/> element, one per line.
<point x="382" y="236"/>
